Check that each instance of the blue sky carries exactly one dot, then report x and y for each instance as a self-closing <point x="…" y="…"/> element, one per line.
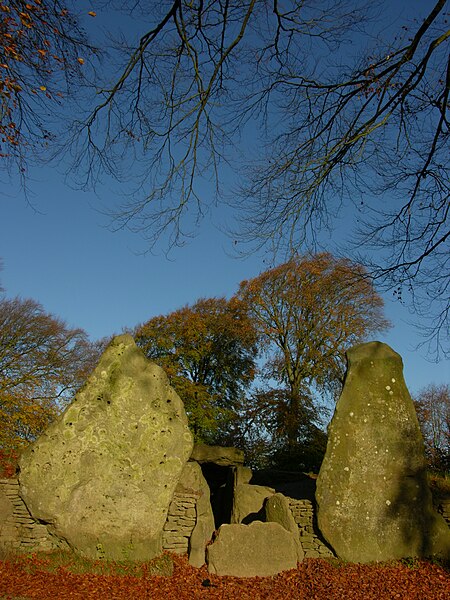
<point x="64" y="256"/>
<point x="57" y="249"/>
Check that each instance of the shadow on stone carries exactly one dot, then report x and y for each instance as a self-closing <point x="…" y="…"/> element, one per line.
<point x="294" y="484"/>
<point x="372" y="493"/>
<point x="422" y="530"/>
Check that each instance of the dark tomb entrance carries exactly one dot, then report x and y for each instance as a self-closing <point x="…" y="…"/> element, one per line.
<point x="220" y="480"/>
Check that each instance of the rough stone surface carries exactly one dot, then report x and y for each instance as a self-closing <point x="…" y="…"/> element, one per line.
<point x="373" y="499"/>
<point x="219" y="455"/>
<point x="242" y="475"/>
<point x="19" y="532"/>
<point x="255" y="550"/>
<point x="193" y="482"/>
<point x="277" y="510"/>
<point x="103" y="475"/>
<point x="311" y="542"/>
<point x="248" y="502"/>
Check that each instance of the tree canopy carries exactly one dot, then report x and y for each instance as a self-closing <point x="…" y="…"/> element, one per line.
<point x="43" y="49"/>
<point x="308" y="312"/>
<point x="42" y="363"/>
<point x="349" y="119"/>
<point x="345" y="113"/>
<point x="208" y="350"/>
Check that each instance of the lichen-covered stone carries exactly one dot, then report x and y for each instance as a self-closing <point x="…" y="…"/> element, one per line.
<point x="248" y="502"/>
<point x="277" y="510"/>
<point x="255" y="550"/>
<point x="103" y="475"/>
<point x="373" y="499"/>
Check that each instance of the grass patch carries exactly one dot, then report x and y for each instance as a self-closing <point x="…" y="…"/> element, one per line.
<point x="63" y="560"/>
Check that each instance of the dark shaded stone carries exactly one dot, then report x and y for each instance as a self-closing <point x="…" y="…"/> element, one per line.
<point x="374" y="503"/>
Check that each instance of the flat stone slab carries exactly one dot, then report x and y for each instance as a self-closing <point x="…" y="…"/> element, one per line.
<point x="255" y="550"/>
<point x="219" y="455"/>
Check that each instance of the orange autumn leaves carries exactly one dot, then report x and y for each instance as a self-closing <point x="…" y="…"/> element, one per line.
<point x="39" y="46"/>
<point x="42" y="363"/>
<point x="299" y="318"/>
<point x="313" y="579"/>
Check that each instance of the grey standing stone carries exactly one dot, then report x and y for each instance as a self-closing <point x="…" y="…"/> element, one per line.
<point x="374" y="503"/>
<point x="102" y="476"/>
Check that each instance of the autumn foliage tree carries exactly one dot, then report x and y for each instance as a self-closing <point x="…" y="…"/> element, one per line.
<point x="308" y="311"/>
<point x="208" y="350"/>
<point x="42" y="52"/>
<point x="433" y="411"/>
<point x="42" y="363"/>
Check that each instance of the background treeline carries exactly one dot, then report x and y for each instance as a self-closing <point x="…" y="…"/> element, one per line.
<point x="260" y="370"/>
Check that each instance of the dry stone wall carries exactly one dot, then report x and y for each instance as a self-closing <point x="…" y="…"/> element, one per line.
<point x="442" y="506"/>
<point x="18" y="530"/>
<point x="303" y="513"/>
<point x="181" y="520"/>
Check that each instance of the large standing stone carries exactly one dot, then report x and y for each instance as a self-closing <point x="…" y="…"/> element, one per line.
<point x="104" y="473"/>
<point x="373" y="499"/>
<point x="255" y="550"/>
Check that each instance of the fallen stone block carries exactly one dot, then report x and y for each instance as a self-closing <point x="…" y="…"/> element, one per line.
<point x="255" y="550"/>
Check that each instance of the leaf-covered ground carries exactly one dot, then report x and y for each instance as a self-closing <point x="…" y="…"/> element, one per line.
<point x="314" y="579"/>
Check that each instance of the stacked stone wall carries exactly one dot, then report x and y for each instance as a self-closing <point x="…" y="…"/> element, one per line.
<point x="303" y="513"/>
<point x="442" y="505"/>
<point x="181" y="520"/>
<point x="19" y="532"/>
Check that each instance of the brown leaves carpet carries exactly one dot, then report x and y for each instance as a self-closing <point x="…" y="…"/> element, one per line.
<point x="314" y="579"/>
